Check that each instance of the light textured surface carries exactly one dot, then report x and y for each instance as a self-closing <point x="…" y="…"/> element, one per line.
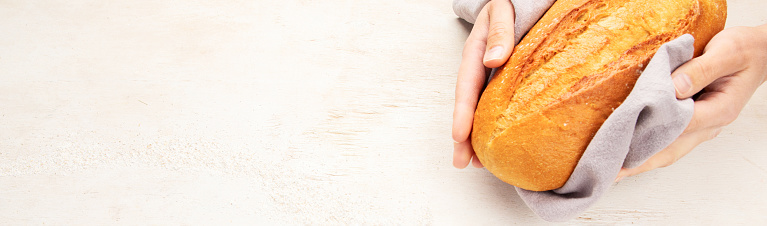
<point x="298" y="112"/>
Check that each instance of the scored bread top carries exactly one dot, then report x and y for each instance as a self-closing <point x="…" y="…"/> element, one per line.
<point x="577" y="64"/>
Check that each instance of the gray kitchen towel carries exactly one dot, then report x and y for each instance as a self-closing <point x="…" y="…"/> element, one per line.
<point x="649" y="119"/>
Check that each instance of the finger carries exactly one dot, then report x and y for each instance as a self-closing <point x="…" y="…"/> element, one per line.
<point x="719" y="59"/>
<point x="471" y="79"/>
<point x="722" y="101"/>
<point x="676" y="150"/>
<point x="500" y="38"/>
<point x="462" y="154"/>
<point x="713" y="109"/>
<point x="475" y="162"/>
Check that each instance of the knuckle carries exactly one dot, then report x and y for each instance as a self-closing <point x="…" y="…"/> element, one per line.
<point x="736" y="46"/>
<point x="728" y="115"/>
<point x="735" y="42"/>
<point x="700" y="72"/>
<point x="471" y="47"/>
<point x="668" y="160"/>
<point x="491" y="5"/>
<point x="694" y="124"/>
<point x="731" y="44"/>
<point x="498" y="30"/>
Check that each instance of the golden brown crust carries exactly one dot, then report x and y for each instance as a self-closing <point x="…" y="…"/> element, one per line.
<point x="577" y="64"/>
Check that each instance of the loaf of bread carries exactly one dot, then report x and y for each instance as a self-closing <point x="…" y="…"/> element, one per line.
<point x="575" y="66"/>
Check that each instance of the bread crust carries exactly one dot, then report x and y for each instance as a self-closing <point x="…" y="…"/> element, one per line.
<point x="542" y="108"/>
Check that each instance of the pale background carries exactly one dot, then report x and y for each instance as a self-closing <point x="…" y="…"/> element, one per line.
<point x="288" y="112"/>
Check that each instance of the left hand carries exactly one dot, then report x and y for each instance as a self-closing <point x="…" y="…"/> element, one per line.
<point x="732" y="67"/>
<point x="489" y="45"/>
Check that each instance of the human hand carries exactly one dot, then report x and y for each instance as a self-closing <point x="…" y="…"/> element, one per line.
<point x="489" y="45"/>
<point x="732" y="67"/>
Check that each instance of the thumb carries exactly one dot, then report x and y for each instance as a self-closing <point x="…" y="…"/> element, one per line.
<point x="500" y="37"/>
<point x="718" y="60"/>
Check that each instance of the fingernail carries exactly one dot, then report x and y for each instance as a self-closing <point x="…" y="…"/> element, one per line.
<point x="494" y="53"/>
<point x="682" y="83"/>
<point x="618" y="179"/>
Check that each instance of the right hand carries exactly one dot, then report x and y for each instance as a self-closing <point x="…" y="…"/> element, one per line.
<point x="732" y="67"/>
<point x="489" y="45"/>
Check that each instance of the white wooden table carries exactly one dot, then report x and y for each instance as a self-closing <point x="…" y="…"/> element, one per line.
<point x="288" y="112"/>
